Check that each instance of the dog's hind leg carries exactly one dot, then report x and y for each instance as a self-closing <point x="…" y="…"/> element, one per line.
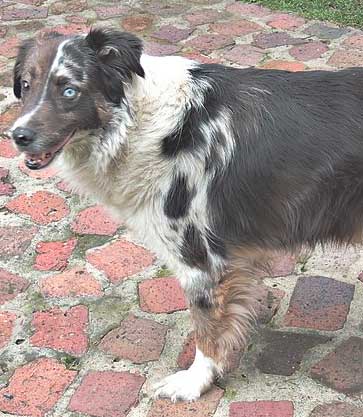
<point x="222" y="318"/>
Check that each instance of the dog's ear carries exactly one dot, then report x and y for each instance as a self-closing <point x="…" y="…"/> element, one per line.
<point x="118" y="55"/>
<point x="18" y="68"/>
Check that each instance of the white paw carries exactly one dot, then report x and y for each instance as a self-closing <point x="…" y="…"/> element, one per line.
<point x="184" y="386"/>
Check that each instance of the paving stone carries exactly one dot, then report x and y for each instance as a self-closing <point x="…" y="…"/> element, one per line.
<point x="283" y="352"/>
<point x="210" y="42"/>
<point x="161" y="295"/>
<point x="116" y="394"/>
<point x="75" y="282"/>
<point x="346" y="58"/>
<point x="158" y="49"/>
<point x="172" y="33"/>
<point x="8" y="117"/>
<point x="137" y="23"/>
<point x="16" y="13"/>
<point x="308" y="51"/>
<point x="14" y="240"/>
<point x="7" y="149"/>
<point x="285" y="21"/>
<point x="342" y="369"/>
<point x="204" y="407"/>
<point x="68" y="6"/>
<point x="238" y="28"/>
<point x="5" y="187"/>
<point x="120" y="259"/>
<point x="54" y="256"/>
<point x="29" y="26"/>
<point x="261" y="409"/>
<point x="11" y="285"/>
<point x="35" y="388"/>
<point x="187" y="354"/>
<point x="95" y="221"/>
<point x="107" y="12"/>
<point x="72" y="28"/>
<point x="9" y="48"/>
<point x="286" y="66"/>
<point x="7" y="321"/>
<point x="355" y="41"/>
<point x="41" y="174"/>
<point x="43" y="207"/>
<point x="282" y="264"/>
<point x="165" y="9"/>
<point x="271" y="40"/>
<point x="61" y="330"/>
<point x="268" y="303"/>
<point x="245" y="55"/>
<point x="249" y="10"/>
<point x="337" y="409"/>
<point x="197" y="56"/>
<point x="323" y="31"/>
<point x="64" y="186"/>
<point x="138" y="340"/>
<point x="319" y="303"/>
<point x="202" y="17"/>
<point x="76" y="19"/>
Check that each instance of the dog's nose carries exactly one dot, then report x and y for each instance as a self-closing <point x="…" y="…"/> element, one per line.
<point x="23" y="136"/>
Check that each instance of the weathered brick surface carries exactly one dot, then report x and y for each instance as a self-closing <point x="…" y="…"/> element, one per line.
<point x="342" y="369"/>
<point x="238" y="28"/>
<point x="323" y="31"/>
<point x="74" y="282"/>
<point x="308" y="51"/>
<point x="61" y="330"/>
<point x="14" y="240"/>
<point x="7" y="321"/>
<point x="346" y="58"/>
<point x="284" y="65"/>
<point x="285" y="21"/>
<point x="107" y="394"/>
<point x="210" y="41"/>
<point x="138" y="340"/>
<point x="137" y="23"/>
<point x="95" y="221"/>
<point x="42" y="207"/>
<point x="120" y="259"/>
<point x="7" y="149"/>
<point x="40" y="174"/>
<point x="319" y="303"/>
<point x="262" y="409"/>
<point x="53" y="256"/>
<point x="35" y="388"/>
<point x="336" y="409"/>
<point x="205" y="407"/>
<point x="161" y="295"/>
<point x="171" y="33"/>
<point x="186" y="356"/>
<point x="244" y="55"/>
<point x="17" y="13"/>
<point x="10" y="285"/>
<point x="271" y="40"/>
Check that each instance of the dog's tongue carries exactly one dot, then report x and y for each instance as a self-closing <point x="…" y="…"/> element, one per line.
<point x="37" y="161"/>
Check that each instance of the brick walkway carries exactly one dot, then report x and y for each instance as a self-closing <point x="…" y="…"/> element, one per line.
<point x="89" y="320"/>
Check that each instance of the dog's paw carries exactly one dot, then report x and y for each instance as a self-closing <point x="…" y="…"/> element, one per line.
<point x="183" y="386"/>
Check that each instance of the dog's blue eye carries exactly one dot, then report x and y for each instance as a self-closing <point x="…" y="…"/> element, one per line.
<point x="69" y="92"/>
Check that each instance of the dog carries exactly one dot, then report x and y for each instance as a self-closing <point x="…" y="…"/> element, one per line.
<point x="216" y="168"/>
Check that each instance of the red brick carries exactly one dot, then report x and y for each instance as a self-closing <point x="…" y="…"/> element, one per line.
<point x="201" y="17"/>
<point x="61" y="330"/>
<point x="7" y="321"/>
<point x="35" y="388"/>
<point x="282" y="265"/>
<point x="120" y="259"/>
<point x="137" y="23"/>
<point x="5" y="187"/>
<point x="95" y="221"/>
<point x="283" y="352"/>
<point x="110" y="12"/>
<point x="14" y="240"/>
<point x="73" y="28"/>
<point x="204" y="407"/>
<point x="107" y="394"/>
<point x="186" y="356"/>
<point x="78" y="20"/>
<point x="161" y="295"/>
<point x="197" y="56"/>
<point x="68" y="6"/>
<point x="43" y="207"/>
<point x="172" y="33"/>
<point x="308" y="51"/>
<point x="355" y="41"/>
<point x="268" y="303"/>
<point x="324" y="31"/>
<point x="15" y="13"/>
<point x="342" y="369"/>
<point x="138" y="340"/>
<point x="40" y="174"/>
<point x="284" y="65"/>
<point x="8" y="117"/>
<point x="210" y="42"/>
<point x="11" y="285"/>
<point x="319" y="303"/>
<point x="63" y="186"/>
<point x="9" y="47"/>
<point x="74" y="282"/>
<point x="155" y="48"/>
<point x="271" y="40"/>
<point x="337" y="409"/>
<point x="262" y="409"/>
<point x="7" y="149"/>
<point x="54" y="256"/>
<point x="346" y="58"/>
<point x="285" y="21"/>
<point x="238" y="28"/>
<point x="245" y="55"/>
<point x="249" y="10"/>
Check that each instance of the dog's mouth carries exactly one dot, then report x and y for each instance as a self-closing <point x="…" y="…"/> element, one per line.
<point x="41" y="160"/>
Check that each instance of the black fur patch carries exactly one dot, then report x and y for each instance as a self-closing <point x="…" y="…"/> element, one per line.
<point x="203" y="301"/>
<point x="193" y="251"/>
<point x="216" y="245"/>
<point x="179" y="197"/>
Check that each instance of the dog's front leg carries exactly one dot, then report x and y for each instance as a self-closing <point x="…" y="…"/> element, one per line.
<point x="222" y="316"/>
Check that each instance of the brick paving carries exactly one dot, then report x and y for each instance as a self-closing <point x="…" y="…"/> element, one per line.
<point x="89" y="319"/>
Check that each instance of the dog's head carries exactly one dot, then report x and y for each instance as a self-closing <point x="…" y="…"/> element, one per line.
<point x="69" y="84"/>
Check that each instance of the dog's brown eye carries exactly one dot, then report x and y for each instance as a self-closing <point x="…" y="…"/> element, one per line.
<point x="25" y="85"/>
